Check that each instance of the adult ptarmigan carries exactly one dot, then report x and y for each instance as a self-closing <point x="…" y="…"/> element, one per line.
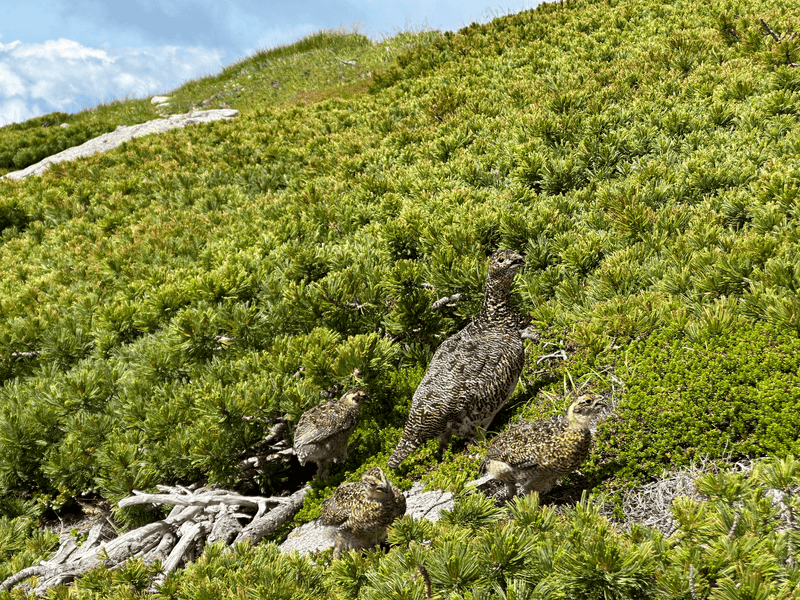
<point x="473" y="373"/>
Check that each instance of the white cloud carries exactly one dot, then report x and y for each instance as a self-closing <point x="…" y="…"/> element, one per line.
<point x="17" y="109"/>
<point x="63" y="49"/>
<point x="64" y="75"/>
<point x="10" y="83"/>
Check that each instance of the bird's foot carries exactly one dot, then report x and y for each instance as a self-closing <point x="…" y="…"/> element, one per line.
<point x="505" y="494"/>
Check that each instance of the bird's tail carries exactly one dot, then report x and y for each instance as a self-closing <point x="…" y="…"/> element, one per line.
<point x="404" y="448"/>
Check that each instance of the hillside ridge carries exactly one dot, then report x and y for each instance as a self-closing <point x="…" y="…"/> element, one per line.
<point x="165" y="306"/>
<point x="123" y="133"/>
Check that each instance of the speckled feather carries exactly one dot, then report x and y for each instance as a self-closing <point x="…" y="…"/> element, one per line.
<point x="474" y="372"/>
<point x="365" y="508"/>
<point x="323" y="431"/>
<point x="550" y="447"/>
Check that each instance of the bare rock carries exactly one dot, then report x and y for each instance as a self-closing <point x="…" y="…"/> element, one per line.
<point x="311" y="537"/>
<point x="427" y="505"/>
<point x="317" y="536"/>
<point x="110" y="140"/>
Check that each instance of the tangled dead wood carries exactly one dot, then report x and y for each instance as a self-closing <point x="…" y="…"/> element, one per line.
<point x="272" y="449"/>
<point x="198" y="517"/>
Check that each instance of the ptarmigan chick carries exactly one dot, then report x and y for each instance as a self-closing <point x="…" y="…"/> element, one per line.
<point x="322" y="432"/>
<point x="535" y="455"/>
<point x="473" y="373"/>
<point x="363" y="510"/>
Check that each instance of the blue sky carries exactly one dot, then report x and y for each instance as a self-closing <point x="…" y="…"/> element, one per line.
<point x="68" y="54"/>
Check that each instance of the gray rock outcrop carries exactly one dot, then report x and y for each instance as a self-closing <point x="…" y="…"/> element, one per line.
<point x="317" y="536"/>
<point x="122" y="134"/>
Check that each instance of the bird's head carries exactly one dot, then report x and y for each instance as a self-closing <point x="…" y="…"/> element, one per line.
<point x="354" y="397"/>
<point x="584" y="408"/>
<point x="376" y="483"/>
<point x="504" y="265"/>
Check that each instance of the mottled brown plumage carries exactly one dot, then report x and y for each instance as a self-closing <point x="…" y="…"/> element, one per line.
<point x="322" y="432"/>
<point x="473" y="373"/>
<point x="363" y="510"/>
<point x="535" y="455"/>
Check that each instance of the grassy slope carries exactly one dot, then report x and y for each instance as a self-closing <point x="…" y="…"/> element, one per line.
<point x="641" y="156"/>
<point x="309" y="70"/>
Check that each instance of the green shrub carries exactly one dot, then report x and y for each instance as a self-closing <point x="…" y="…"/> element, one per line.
<point x="163" y="304"/>
<point x="729" y="392"/>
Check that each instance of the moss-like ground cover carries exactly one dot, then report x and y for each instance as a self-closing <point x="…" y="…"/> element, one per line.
<point x="161" y="304"/>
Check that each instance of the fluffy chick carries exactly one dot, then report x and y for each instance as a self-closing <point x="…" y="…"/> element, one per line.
<point x="323" y="431"/>
<point x="536" y="455"/>
<point x="363" y="510"/>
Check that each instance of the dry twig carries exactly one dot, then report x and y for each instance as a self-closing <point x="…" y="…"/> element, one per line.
<point x="197" y="516"/>
<point x="768" y="31"/>
<point x="788" y="514"/>
<point x="734" y="525"/>
<point x="691" y="582"/>
<point x="427" y="578"/>
<point x="559" y="354"/>
<point x="446" y="301"/>
<point x="771" y="32"/>
<point x="779" y="38"/>
<point x="265" y="525"/>
<point x="351" y="63"/>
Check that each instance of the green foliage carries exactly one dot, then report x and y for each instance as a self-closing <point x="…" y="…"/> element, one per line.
<point x="306" y="70"/>
<point x="22" y="542"/>
<point x="473" y="509"/>
<point x="528" y="514"/>
<point x="581" y="554"/>
<point x="742" y="400"/>
<point x="26" y="143"/>
<point x="162" y="304"/>
<point x="597" y="564"/>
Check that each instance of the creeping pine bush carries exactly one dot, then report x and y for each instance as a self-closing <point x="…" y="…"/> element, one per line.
<point x="736" y="543"/>
<point x="743" y="400"/>
<point x="26" y="143"/>
<point x="162" y="305"/>
<point x="537" y="554"/>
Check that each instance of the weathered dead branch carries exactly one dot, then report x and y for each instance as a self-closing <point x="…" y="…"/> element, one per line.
<point x="273" y="448"/>
<point x="446" y="301"/>
<point x="265" y="525"/>
<point x="31" y="354"/>
<point x="350" y="63"/>
<point x="771" y="32"/>
<point x="198" y="517"/>
<point x="559" y="354"/>
<point x="691" y="583"/>
<point x="427" y="579"/>
<point x="203" y="497"/>
<point x="786" y="35"/>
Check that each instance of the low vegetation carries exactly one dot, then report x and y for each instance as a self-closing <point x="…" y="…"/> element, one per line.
<point x="733" y="545"/>
<point x="329" y="63"/>
<point x="163" y="304"/>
